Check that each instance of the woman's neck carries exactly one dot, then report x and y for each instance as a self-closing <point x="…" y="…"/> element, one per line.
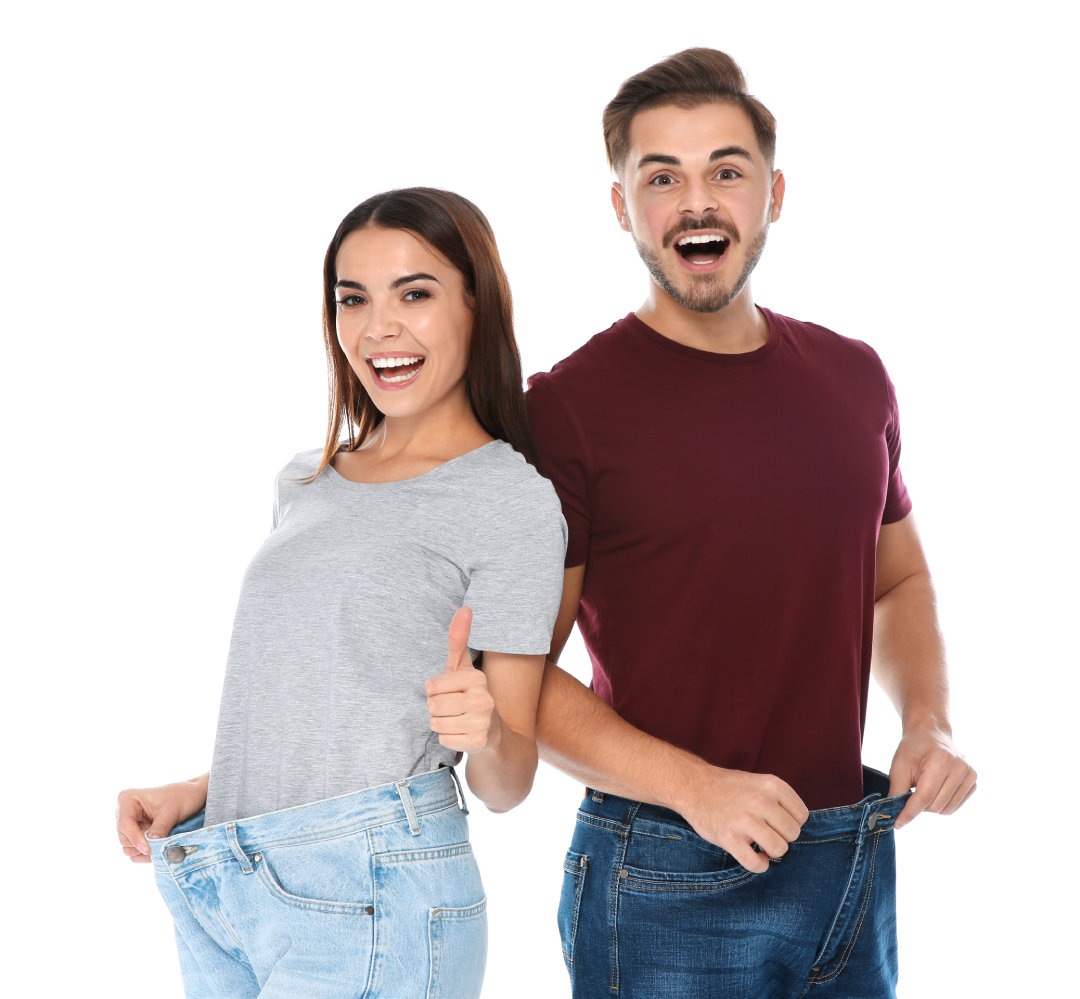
<point x="404" y="447"/>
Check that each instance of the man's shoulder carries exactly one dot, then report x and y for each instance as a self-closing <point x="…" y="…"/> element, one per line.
<point x="813" y="338"/>
<point x="578" y="370"/>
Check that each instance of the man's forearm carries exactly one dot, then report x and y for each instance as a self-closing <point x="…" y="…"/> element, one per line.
<point x="580" y="735"/>
<point x="909" y="653"/>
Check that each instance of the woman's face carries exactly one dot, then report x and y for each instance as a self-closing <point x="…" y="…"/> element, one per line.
<point x="403" y="320"/>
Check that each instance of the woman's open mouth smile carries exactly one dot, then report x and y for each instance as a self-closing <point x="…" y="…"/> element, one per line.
<point x="395" y="371"/>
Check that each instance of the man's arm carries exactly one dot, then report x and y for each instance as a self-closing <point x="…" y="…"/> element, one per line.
<point x="909" y="664"/>
<point x="580" y="735"/>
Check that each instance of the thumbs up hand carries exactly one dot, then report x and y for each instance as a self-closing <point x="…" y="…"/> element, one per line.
<point x="461" y="706"/>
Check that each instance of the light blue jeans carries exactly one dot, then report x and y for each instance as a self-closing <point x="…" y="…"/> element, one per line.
<point x="371" y="894"/>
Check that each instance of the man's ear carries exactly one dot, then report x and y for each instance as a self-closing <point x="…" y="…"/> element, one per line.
<point x="778" y="187"/>
<point x="619" y="204"/>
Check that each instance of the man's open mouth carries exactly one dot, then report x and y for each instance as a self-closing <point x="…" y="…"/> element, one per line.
<point x="704" y="249"/>
<point x="396" y="370"/>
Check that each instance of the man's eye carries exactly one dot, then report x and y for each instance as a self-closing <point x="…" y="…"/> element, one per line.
<point x="351" y="300"/>
<point x="726" y="175"/>
<point x="417" y="295"/>
<point x="663" y="180"/>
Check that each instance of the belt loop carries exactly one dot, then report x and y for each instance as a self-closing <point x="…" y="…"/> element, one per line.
<point x="460" y="791"/>
<point x="234" y="845"/>
<point x="410" y="811"/>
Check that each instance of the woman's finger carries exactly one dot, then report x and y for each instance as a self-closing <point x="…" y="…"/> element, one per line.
<point x="458" y="640"/>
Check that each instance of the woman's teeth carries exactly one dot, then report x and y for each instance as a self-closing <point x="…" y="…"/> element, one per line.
<point x="383" y="364"/>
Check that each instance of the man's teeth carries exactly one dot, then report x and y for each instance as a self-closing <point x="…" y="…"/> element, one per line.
<point x="708" y="238"/>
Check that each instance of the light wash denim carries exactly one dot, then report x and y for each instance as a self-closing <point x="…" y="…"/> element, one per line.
<point x="368" y="895"/>
<point x="650" y="910"/>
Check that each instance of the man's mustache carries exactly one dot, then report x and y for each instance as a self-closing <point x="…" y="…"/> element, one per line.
<point x="705" y="222"/>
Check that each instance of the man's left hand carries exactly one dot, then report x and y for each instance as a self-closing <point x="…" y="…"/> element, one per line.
<point x="927" y="760"/>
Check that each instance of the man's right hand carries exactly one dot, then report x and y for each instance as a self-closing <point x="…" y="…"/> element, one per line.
<point x="154" y="811"/>
<point x="734" y="809"/>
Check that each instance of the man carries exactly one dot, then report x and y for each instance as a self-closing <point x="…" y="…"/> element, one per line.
<point x="739" y="532"/>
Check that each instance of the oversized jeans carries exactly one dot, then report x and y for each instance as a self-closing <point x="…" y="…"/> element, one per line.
<point x="371" y="894"/>
<point x="650" y="910"/>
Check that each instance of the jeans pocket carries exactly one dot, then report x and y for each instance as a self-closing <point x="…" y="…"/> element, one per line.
<point x="575" y="867"/>
<point x="457" y="940"/>
<point x="273" y="886"/>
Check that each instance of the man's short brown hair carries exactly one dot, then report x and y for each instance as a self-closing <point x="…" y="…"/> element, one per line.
<point x="687" y="79"/>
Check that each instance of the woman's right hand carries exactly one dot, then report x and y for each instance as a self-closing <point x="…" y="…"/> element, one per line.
<point x="153" y="811"/>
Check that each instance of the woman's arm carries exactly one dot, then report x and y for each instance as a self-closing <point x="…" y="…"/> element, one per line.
<point x="153" y="811"/>
<point x="489" y="714"/>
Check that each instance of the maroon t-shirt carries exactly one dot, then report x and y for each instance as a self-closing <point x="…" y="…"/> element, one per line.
<point x="728" y="508"/>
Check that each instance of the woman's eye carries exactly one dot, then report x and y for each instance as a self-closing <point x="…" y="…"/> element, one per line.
<point x="351" y="300"/>
<point x="417" y="295"/>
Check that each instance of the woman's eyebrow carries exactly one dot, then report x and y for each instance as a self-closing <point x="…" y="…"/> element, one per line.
<point x="414" y="277"/>
<point x="349" y="284"/>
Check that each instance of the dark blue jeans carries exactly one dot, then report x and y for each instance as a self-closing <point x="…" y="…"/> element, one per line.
<point x="650" y="910"/>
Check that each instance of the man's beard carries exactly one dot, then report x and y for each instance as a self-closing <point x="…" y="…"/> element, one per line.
<point x="706" y="292"/>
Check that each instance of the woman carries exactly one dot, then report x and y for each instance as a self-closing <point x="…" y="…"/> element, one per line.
<point x="332" y="858"/>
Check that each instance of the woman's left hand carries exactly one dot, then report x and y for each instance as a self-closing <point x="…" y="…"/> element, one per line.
<point x="461" y="706"/>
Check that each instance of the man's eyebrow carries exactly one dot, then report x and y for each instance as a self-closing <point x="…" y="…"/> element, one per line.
<point x="719" y="154"/>
<point x="414" y="277"/>
<point x="659" y="158"/>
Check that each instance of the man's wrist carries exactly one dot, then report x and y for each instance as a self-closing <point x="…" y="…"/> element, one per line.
<point x="926" y="721"/>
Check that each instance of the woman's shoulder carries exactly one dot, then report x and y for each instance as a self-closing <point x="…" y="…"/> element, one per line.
<point x="300" y="466"/>
<point x="502" y="469"/>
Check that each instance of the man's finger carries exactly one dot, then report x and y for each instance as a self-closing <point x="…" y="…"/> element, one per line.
<point x="458" y="640"/>
<point x="961" y="793"/>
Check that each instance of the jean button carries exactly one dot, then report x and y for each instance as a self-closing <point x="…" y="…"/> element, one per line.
<point x="624" y="874"/>
<point x="175" y="854"/>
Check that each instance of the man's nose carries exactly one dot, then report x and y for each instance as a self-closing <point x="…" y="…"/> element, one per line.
<point x="698" y="198"/>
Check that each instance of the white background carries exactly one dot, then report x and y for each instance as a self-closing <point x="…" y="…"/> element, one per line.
<point x="172" y="175"/>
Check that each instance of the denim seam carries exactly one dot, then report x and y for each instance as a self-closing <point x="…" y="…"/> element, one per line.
<point x="859" y="847"/>
<point x="375" y="920"/>
<point x="613" y="904"/>
<point x="858" y="925"/>
<point x="692" y="886"/>
<point x="195" y="915"/>
<point x="410" y="856"/>
<point x="582" y="869"/>
<point x="270" y="883"/>
<point x="609" y="824"/>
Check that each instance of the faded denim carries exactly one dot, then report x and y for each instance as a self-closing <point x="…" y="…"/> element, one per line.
<point x="650" y="910"/>
<point x="367" y="895"/>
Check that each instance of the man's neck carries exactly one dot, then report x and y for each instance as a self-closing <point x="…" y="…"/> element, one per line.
<point x="736" y="329"/>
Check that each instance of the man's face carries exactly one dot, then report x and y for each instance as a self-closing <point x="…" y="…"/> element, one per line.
<point x="697" y="195"/>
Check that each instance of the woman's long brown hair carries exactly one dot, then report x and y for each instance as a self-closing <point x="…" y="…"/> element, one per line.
<point x="454" y="227"/>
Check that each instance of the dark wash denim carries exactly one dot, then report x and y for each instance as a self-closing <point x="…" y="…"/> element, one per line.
<point x="650" y="910"/>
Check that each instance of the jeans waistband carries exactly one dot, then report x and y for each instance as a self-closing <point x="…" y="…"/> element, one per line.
<point x="875" y="812"/>
<point x="344" y="815"/>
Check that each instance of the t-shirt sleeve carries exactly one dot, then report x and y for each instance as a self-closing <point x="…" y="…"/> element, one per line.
<point x="897" y="501"/>
<point x="516" y="570"/>
<point x="565" y="462"/>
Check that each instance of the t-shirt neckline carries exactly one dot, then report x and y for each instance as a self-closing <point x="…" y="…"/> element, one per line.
<point x="709" y="356"/>
<point x="333" y="475"/>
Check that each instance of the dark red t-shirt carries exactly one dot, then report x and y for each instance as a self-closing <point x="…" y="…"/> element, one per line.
<point x="728" y="508"/>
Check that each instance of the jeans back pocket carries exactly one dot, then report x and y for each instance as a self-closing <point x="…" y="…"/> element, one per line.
<point x="575" y="867"/>
<point x="457" y="941"/>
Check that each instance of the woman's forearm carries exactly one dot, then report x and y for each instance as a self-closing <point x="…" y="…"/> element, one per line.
<point x="501" y="775"/>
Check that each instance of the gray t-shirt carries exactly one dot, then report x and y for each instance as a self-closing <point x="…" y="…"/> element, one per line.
<point x="343" y="615"/>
